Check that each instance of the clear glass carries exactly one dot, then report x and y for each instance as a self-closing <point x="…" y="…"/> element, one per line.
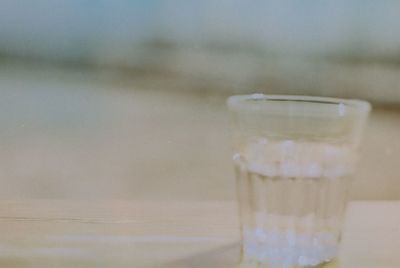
<point x="294" y="157"/>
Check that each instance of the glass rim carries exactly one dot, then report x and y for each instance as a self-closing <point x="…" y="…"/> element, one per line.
<point x="242" y="101"/>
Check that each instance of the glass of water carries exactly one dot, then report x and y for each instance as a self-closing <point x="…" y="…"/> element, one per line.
<point x="294" y="157"/>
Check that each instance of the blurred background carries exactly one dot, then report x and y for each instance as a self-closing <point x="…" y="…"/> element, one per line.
<point x="126" y="99"/>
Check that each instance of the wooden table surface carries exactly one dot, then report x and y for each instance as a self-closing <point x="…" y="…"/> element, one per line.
<point x="55" y="233"/>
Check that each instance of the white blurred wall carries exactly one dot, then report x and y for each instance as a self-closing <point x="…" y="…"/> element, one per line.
<point x="334" y="48"/>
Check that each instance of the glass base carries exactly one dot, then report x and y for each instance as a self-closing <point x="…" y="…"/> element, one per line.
<point x="257" y="264"/>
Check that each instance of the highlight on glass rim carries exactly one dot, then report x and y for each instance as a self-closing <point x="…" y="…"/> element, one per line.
<point x="192" y="134"/>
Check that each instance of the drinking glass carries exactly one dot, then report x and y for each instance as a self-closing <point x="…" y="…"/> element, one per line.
<point x="294" y="157"/>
